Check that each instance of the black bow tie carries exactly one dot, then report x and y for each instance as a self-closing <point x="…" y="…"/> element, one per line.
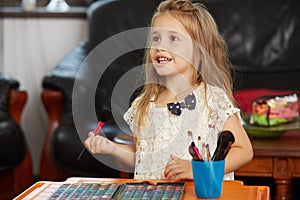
<point x="189" y="103"/>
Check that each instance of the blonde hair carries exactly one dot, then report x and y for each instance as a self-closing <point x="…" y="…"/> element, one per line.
<point x="212" y="49"/>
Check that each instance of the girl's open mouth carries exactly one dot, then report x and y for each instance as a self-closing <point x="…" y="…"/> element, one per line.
<point x="163" y="60"/>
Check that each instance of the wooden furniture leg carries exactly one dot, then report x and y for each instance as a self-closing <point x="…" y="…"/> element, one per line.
<point x="282" y="177"/>
<point x="15" y="180"/>
<point x="49" y="170"/>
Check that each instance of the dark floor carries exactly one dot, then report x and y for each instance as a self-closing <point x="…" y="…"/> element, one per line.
<point x="269" y="182"/>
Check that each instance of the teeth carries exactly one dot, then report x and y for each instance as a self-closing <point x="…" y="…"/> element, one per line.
<point x="164" y="59"/>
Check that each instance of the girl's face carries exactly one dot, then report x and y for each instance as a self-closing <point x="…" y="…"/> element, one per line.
<point x="171" y="47"/>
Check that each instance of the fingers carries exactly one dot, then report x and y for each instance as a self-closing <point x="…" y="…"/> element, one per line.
<point x="94" y="143"/>
<point x="91" y="134"/>
<point x="178" y="169"/>
<point x="179" y="176"/>
<point x="172" y="171"/>
<point x="173" y="166"/>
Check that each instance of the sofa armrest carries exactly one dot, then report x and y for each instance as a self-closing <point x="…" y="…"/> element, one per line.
<point x="22" y="174"/>
<point x="17" y="100"/>
<point x="53" y="103"/>
<point x="16" y="164"/>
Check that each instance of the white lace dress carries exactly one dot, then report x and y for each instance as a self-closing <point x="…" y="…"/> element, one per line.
<point x="166" y="133"/>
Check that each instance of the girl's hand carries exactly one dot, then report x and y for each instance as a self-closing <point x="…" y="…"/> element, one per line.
<point x="178" y="169"/>
<point x="98" y="144"/>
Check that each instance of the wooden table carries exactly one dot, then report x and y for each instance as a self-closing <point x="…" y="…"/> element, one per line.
<point x="231" y="189"/>
<point x="278" y="158"/>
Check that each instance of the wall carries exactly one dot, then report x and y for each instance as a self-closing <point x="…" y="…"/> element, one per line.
<point x="29" y="48"/>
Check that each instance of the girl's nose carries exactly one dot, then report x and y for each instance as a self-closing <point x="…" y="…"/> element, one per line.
<point x="162" y="46"/>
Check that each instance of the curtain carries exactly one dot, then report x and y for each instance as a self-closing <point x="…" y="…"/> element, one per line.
<point x="30" y="47"/>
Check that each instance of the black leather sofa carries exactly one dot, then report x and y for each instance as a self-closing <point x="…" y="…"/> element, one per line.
<point x="15" y="159"/>
<point x="263" y="40"/>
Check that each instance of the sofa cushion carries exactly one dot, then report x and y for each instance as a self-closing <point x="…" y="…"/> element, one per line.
<point x="67" y="145"/>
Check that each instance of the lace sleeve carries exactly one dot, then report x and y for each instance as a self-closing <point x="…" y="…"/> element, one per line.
<point x="129" y="115"/>
<point x="220" y="106"/>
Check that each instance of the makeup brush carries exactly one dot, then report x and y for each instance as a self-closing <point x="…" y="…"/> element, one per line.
<point x="96" y="132"/>
<point x="226" y="150"/>
<point x="225" y="139"/>
<point x="203" y="151"/>
<point x="208" y="152"/>
<point x="105" y="116"/>
<point x="193" y="153"/>
<point x="190" y="134"/>
<point x="199" y="139"/>
<point x="196" y="151"/>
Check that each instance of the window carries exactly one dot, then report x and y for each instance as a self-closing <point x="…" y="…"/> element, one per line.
<point x="13" y="3"/>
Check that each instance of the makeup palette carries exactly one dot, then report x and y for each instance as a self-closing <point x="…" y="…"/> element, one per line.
<point x="85" y="191"/>
<point x="143" y="191"/>
<point x="124" y="191"/>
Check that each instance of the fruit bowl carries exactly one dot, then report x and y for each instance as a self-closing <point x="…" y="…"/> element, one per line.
<point x="268" y="132"/>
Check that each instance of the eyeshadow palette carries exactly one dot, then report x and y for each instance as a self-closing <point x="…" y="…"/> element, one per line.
<point x="115" y="191"/>
<point x="143" y="191"/>
<point x="85" y="191"/>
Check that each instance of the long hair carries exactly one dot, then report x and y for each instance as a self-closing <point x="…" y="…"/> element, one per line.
<point x="211" y="50"/>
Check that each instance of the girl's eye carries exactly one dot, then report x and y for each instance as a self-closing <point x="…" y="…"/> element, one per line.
<point x="173" y="38"/>
<point x="155" y="39"/>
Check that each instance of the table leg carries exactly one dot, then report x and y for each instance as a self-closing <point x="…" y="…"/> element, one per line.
<point x="282" y="177"/>
<point x="283" y="189"/>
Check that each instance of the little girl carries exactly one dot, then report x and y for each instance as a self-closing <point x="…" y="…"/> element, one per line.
<point x="188" y="89"/>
